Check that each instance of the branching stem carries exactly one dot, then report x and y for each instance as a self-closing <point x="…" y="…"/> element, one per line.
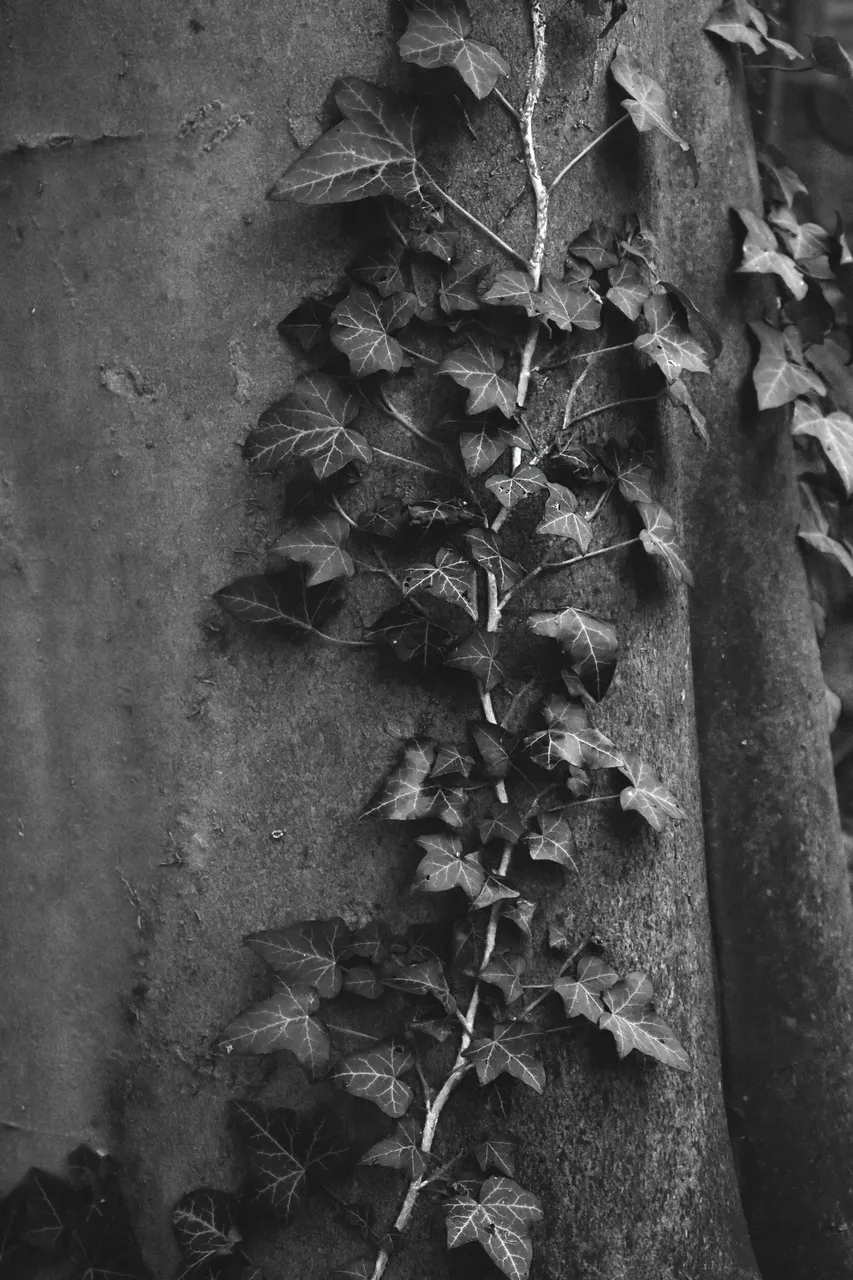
<point x="398" y="416"/>
<point x="506" y="104"/>
<point x="613" y="404"/>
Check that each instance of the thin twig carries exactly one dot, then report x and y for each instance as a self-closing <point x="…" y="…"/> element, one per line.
<point x="614" y="404"/>
<point x="507" y="105"/>
<point x="600" y="351"/>
<point x="561" y="564"/>
<point x="412" y="351"/>
<point x="398" y="416"/>
<point x="336" y="503"/>
<point x="540" y="191"/>
<point x="475" y="222"/>
<point x="570" y="398"/>
<point x="528" y="1008"/>
<point x="568" y="168"/>
<point x="347" y="1031"/>
<point x="410" y="462"/>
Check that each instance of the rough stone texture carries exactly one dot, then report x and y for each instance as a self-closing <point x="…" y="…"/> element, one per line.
<point x="145" y="276"/>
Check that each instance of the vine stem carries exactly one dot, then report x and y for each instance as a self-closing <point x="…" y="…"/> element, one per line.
<point x="506" y="104"/>
<point x="540" y="191"/>
<point x="421" y="466"/>
<point x="561" y="564"/>
<point x="568" y="168"/>
<point x="613" y="404"/>
<point x="393" y="412"/>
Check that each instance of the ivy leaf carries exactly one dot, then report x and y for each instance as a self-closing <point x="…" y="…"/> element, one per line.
<point x="413" y="636"/>
<point x="387" y="518"/>
<point x="509" y="490"/>
<point x="423" y="979"/>
<point x="362" y="332"/>
<point x="635" y="482"/>
<point x="282" y="599"/>
<point x="437" y="37"/>
<point x="571" y="738"/>
<point x="287" y="1156"/>
<point x="405" y="794"/>
<point x="834" y="59"/>
<point x="581" y="996"/>
<point x="790" y="185"/>
<point x="478" y="654"/>
<point x="556" y="842"/>
<point x="596" y="245"/>
<point x="318" y="543"/>
<point x="375" y="1075"/>
<point x="441" y="513"/>
<point x="400" y="1150"/>
<point x="445" y="868"/>
<point x="503" y="823"/>
<point x="381" y="268"/>
<point x="659" y="539"/>
<point x="441" y="244"/>
<point x="494" y="890"/>
<point x="510" y="1050"/>
<point x="628" y="291"/>
<point x="778" y="376"/>
<point x="475" y="367"/>
<point x="667" y="343"/>
<point x="370" y="942"/>
<point x="450" y="761"/>
<point x="695" y="317"/>
<point x="634" y="1024"/>
<point x="308" y="323"/>
<point x="460" y="286"/>
<point x="504" y="971"/>
<point x="762" y="256"/>
<point x="362" y="980"/>
<point x="483" y="545"/>
<point x="647" y="106"/>
<point x="203" y="1224"/>
<point x="803" y="240"/>
<point x="834" y="431"/>
<point x="481" y="449"/>
<point x="678" y="394"/>
<point x="589" y="642"/>
<point x="564" y="305"/>
<point x="647" y="794"/>
<point x="356" y="1269"/>
<point x="728" y="23"/>
<point x="495" y="745"/>
<point x="282" y="1022"/>
<point x="512" y="289"/>
<point x="372" y="152"/>
<point x="311" y="423"/>
<point x="496" y="1153"/>
<point x="521" y="913"/>
<point x="499" y="1223"/>
<point x="451" y="578"/>
<point x="305" y="954"/>
<point x="49" y="1205"/>
<point x="562" y="518"/>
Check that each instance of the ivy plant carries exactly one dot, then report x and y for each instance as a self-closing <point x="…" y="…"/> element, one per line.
<point x="512" y="498"/>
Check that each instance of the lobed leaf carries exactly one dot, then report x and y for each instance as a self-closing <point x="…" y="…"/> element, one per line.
<point x="510" y="490"/>
<point x="372" y="152"/>
<point x="762" y="256"/>
<point x="596" y="245"/>
<point x="319" y="544"/>
<point x="581" y="996"/>
<point x="481" y="449"/>
<point x="834" y="431"/>
<point x="790" y="185"/>
<point x="729" y="24"/>
<point x="308" y="323"/>
<point x="445" y="868"/>
<point x="647" y="105"/>
<point x="628" y="291"/>
<point x="509" y="1049"/>
<point x="496" y="1153"/>
<point x="283" y="1021"/>
<point x="356" y="1269"/>
<point x="441" y="244"/>
<point x="362" y="980"/>
<point x="405" y="794"/>
<point x="451" y="578"/>
<point x="437" y="36"/>
<point x="647" y="794"/>
<point x="414" y="637"/>
<point x="504" y="971"/>
<point x="678" y="394"/>
<point x="565" y="305"/>
<point x="483" y="545"/>
<point x="203" y="1223"/>
<point x="282" y="599"/>
<point x="495" y="745"/>
<point x="503" y="823"/>
<point x="562" y="519"/>
<point x="478" y="654"/>
<point x="460" y="286"/>
<point x="475" y="367"/>
<point x="400" y="1150"/>
<point x="590" y="643"/>
<point x="375" y="1075"/>
<point x="659" y="539"/>
<point x="363" y="324"/>
<point x="306" y="954"/>
<point x="667" y="343"/>
<point x="387" y="518"/>
<point x="634" y="1024"/>
<point x="556" y="842"/>
<point x="312" y="423"/>
<point x="779" y="375"/>
<point x="423" y="979"/>
<point x="381" y="267"/>
<point x="512" y="289"/>
<point x="635" y="482"/>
